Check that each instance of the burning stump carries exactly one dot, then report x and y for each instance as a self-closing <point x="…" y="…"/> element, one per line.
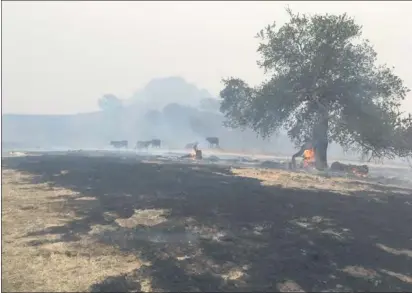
<point x="357" y="170"/>
<point x="196" y="154"/>
<point x="308" y="160"/>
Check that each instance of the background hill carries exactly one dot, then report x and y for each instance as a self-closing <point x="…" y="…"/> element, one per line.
<point x="167" y="108"/>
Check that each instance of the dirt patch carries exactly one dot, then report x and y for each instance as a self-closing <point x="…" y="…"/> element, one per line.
<point x="76" y="223"/>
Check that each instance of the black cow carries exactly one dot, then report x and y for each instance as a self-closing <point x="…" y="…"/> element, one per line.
<point x="119" y="143"/>
<point x="156" y="143"/>
<point x="143" y="144"/>
<point x="213" y="142"/>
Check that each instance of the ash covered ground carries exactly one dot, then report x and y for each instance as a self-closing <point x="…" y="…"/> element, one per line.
<point x="119" y="220"/>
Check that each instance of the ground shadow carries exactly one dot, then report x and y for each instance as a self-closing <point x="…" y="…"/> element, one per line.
<point x="220" y="232"/>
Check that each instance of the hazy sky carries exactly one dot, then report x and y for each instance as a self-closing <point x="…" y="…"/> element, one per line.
<point x="60" y="57"/>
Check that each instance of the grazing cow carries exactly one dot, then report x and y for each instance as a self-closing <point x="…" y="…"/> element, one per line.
<point x="156" y="143"/>
<point x="143" y="144"/>
<point x="213" y="142"/>
<point x="119" y="143"/>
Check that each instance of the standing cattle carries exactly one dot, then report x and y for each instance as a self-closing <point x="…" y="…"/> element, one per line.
<point x="119" y="143"/>
<point x="143" y="144"/>
<point x="156" y="143"/>
<point x="213" y="142"/>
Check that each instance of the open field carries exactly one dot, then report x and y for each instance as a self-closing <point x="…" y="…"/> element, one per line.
<point x="77" y="222"/>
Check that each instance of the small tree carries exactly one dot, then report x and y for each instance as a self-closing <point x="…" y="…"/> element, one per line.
<point x="324" y="85"/>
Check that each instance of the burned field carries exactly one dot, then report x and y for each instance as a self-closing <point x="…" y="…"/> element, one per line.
<point x="76" y="223"/>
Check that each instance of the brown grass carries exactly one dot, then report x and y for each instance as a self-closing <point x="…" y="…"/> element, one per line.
<point x="52" y="265"/>
<point x="305" y="181"/>
<point x="72" y="223"/>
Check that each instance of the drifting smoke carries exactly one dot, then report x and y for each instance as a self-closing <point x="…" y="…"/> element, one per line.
<point x="169" y="109"/>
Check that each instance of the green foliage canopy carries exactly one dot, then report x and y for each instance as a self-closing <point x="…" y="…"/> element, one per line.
<point x="321" y="72"/>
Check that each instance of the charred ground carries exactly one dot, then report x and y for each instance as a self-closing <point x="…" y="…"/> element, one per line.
<point x="73" y="223"/>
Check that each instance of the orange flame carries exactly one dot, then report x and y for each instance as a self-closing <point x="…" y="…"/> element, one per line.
<point x="308" y="157"/>
<point x="196" y="154"/>
<point x="357" y="173"/>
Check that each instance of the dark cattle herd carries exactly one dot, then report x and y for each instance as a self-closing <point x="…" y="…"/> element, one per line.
<point x="119" y="143"/>
<point x="157" y="143"/>
<point x="142" y="144"/>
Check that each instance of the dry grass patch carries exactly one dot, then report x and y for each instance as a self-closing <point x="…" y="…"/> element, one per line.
<point x="45" y="263"/>
<point x="404" y="252"/>
<point x="360" y="272"/>
<point x="289" y="286"/>
<point x="147" y="217"/>
<point x="302" y="181"/>
<point x="401" y="277"/>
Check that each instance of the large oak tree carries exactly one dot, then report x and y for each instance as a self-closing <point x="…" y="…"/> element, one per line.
<point x="324" y="84"/>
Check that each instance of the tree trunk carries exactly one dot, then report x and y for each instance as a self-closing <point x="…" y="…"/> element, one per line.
<point x="320" y="137"/>
<point x="321" y="155"/>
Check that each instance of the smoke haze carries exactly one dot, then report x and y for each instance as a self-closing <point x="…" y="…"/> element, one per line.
<point x="160" y="62"/>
